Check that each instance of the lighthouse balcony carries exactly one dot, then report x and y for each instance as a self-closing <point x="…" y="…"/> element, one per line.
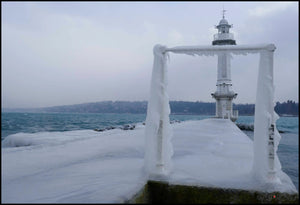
<point x="223" y="36"/>
<point x="229" y="95"/>
<point x="223" y="39"/>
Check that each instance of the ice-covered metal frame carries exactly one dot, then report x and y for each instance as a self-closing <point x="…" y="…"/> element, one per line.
<point x="159" y="150"/>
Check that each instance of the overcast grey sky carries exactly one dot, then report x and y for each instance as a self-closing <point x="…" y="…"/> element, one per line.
<point x="61" y="53"/>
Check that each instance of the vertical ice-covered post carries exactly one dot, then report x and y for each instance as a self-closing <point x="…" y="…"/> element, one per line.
<point x="264" y="120"/>
<point x="158" y="150"/>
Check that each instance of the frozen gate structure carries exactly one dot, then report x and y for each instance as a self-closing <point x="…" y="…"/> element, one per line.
<point x="159" y="151"/>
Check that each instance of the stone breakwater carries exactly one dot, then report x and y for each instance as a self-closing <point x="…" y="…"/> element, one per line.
<point x="123" y="127"/>
<point x="246" y="127"/>
<point x="250" y="127"/>
<point x="126" y="127"/>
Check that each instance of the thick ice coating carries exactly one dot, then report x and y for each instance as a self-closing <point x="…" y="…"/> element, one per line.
<point x="158" y="134"/>
<point x="266" y="137"/>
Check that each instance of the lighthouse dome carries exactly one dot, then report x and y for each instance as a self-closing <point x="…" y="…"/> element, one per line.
<point x="223" y="21"/>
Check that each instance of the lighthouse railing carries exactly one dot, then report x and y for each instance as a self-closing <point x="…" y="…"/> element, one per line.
<point x="223" y="36"/>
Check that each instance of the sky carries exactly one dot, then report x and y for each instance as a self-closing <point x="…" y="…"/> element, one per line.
<point x="64" y="53"/>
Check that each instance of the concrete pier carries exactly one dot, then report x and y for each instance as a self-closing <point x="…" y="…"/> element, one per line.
<point x="161" y="192"/>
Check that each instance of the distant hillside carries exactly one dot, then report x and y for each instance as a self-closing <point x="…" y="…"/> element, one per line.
<point x="177" y="107"/>
<point x="288" y="108"/>
<point x="102" y="107"/>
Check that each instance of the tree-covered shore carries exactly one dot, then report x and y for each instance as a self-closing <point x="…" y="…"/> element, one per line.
<point x="288" y="108"/>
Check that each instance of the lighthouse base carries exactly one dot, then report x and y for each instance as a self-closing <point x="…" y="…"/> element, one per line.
<point x="224" y="107"/>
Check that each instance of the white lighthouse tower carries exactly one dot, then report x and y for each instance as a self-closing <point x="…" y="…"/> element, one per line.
<point x="224" y="94"/>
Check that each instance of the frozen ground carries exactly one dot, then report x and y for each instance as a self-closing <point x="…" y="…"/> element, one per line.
<point x="107" y="167"/>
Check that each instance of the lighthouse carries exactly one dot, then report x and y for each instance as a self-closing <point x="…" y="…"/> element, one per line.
<point x="224" y="94"/>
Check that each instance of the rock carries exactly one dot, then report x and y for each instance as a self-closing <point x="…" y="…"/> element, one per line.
<point x="110" y="128"/>
<point x="128" y="127"/>
<point x="175" y="121"/>
<point x="99" y="130"/>
<point x="245" y="127"/>
<point x="250" y="127"/>
<point x="103" y="129"/>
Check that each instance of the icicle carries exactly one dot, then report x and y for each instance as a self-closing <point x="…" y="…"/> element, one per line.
<point x="277" y="138"/>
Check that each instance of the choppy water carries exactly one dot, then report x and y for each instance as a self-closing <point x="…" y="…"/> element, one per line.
<point x="12" y="123"/>
<point x="288" y="149"/>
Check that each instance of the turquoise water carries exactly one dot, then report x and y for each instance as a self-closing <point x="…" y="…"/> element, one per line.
<point x="288" y="149"/>
<point x="12" y="123"/>
<point x="51" y="122"/>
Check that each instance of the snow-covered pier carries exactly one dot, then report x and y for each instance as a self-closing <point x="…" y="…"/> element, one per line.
<point x="108" y="167"/>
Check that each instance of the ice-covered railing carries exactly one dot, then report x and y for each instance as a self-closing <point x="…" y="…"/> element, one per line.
<point x="158" y="133"/>
<point x="159" y="151"/>
<point x="214" y="50"/>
